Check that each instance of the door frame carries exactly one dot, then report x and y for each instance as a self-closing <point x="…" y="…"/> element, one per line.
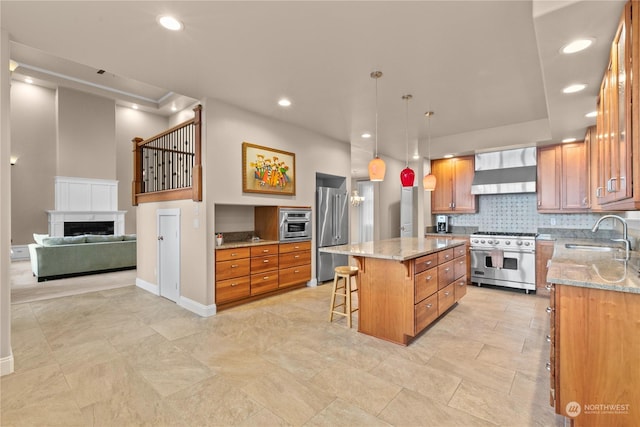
<point x="174" y="212"/>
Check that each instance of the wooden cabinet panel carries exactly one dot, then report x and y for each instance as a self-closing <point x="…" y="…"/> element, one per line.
<point x="574" y="177"/>
<point x="262" y="250"/>
<point x="231" y="254"/>
<point x="444" y="256"/>
<point x="426" y="312"/>
<point x="460" y="288"/>
<point x="264" y="263"/>
<point x="295" y="247"/>
<point x="445" y="274"/>
<point x="426" y="262"/>
<point x="232" y="289"/>
<point x="544" y="252"/>
<point x="446" y="298"/>
<point x="291" y="259"/>
<point x="229" y="269"/>
<point x="294" y="275"/>
<point x="265" y="282"/>
<point x="426" y="283"/>
<point x="459" y="267"/>
<point x="459" y="251"/>
<point x="453" y="185"/>
<point x="548" y="181"/>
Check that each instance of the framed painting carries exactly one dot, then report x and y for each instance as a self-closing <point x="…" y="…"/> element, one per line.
<point x="267" y="170"/>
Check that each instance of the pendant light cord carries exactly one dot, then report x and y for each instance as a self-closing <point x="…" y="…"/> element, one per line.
<point x="407" y="98"/>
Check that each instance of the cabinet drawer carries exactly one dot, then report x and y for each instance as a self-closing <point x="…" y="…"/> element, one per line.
<point x="264" y="250"/>
<point x="426" y="284"/>
<point x="460" y="287"/>
<point x="231" y="254"/>
<point x="445" y="256"/>
<point x="446" y="298"/>
<point x="459" y="251"/>
<point x="291" y="259"/>
<point x="426" y="312"/>
<point x="295" y="247"/>
<point x="459" y="267"/>
<point x="294" y="275"/>
<point x="229" y="269"/>
<point x="426" y="262"/>
<point x="445" y="274"/>
<point x="261" y="283"/>
<point x="232" y="289"/>
<point x="264" y="263"/>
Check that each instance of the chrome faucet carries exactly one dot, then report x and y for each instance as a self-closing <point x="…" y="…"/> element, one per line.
<point x="625" y="237"/>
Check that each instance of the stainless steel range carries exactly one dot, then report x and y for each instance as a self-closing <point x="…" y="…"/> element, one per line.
<point x="504" y="259"/>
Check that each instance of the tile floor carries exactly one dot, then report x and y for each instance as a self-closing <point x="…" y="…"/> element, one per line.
<point x="126" y="357"/>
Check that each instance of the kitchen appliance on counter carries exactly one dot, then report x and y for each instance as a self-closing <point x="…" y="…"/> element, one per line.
<point x="332" y="230"/>
<point x="504" y="259"/>
<point x="443" y="224"/>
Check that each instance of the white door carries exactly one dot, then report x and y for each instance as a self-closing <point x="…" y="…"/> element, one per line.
<point x="408" y="211"/>
<point x="168" y="221"/>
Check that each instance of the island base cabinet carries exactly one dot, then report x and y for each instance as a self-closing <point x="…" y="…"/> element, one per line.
<point x="426" y="311"/>
<point x="596" y="353"/>
<point x="446" y="298"/>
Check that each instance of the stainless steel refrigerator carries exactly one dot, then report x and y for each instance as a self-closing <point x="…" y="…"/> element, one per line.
<point x="333" y="229"/>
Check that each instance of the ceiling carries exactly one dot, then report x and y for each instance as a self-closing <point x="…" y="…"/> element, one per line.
<point x="491" y="71"/>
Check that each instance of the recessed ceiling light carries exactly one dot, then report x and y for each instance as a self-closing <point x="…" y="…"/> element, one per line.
<point x="170" y="23"/>
<point x="13" y="65"/>
<point x="134" y="106"/>
<point x="28" y="80"/>
<point x="576" y="46"/>
<point x="448" y="156"/>
<point x="416" y="156"/>
<point x="568" y="140"/>
<point x="366" y="135"/>
<point x="574" y="88"/>
<point x="284" y="102"/>
<point x="174" y="108"/>
<point x="591" y="114"/>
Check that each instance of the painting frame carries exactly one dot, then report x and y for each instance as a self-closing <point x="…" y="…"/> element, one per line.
<point x="268" y="170"/>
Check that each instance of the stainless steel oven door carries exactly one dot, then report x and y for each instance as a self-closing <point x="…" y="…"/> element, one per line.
<point x="518" y="269"/>
<point x="295" y="225"/>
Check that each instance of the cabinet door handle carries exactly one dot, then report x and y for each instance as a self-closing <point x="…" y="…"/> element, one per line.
<point x="265" y="261"/>
<point x="296" y="271"/>
<point x="548" y="286"/>
<point x="234" y="254"/>
<point x="446" y="294"/>
<point x="539" y="202"/>
<point x="427" y="278"/>
<point x="265" y="278"/>
<point x="429" y="305"/>
<point x="548" y="338"/>
<point x="446" y="270"/>
<point x="428" y="263"/>
<point x="598" y="192"/>
<point x="453" y="205"/>
<point x="234" y="265"/>
<point x="264" y="251"/>
<point x="550" y="309"/>
<point x="548" y="366"/>
<point x="234" y="284"/>
<point x="297" y="256"/>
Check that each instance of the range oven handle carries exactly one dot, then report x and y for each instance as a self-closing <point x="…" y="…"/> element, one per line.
<point x="506" y="251"/>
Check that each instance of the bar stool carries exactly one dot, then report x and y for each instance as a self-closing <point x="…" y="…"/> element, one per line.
<point x="342" y="287"/>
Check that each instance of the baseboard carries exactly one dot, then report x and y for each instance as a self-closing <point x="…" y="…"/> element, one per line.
<point x="19" y="252"/>
<point x="196" y="307"/>
<point x="149" y="287"/>
<point x="312" y="283"/>
<point x="6" y="365"/>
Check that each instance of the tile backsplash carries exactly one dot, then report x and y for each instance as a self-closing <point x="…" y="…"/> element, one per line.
<point x="518" y="213"/>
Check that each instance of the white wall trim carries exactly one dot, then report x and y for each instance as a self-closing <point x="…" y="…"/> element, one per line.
<point x="19" y="252"/>
<point x="197" y="308"/>
<point x="6" y="365"/>
<point x="312" y="283"/>
<point x="149" y="287"/>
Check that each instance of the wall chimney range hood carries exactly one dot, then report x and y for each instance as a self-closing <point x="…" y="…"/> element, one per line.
<point x="505" y="172"/>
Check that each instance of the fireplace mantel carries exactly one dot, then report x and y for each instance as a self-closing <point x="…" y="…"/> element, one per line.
<point x="58" y="218"/>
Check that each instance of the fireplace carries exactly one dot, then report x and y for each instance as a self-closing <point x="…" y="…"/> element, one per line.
<point x="78" y="228"/>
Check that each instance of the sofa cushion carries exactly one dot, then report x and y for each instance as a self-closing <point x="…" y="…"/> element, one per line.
<point x="38" y="237"/>
<point x="99" y="238"/>
<point x="66" y="240"/>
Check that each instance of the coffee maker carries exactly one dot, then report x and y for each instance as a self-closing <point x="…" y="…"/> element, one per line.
<point x="443" y="224"/>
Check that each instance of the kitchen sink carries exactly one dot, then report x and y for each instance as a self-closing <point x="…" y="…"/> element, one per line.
<point x="596" y="248"/>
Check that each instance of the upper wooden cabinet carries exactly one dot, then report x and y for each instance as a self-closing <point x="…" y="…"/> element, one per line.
<point x="616" y="181"/>
<point x="562" y="184"/>
<point x="453" y="185"/>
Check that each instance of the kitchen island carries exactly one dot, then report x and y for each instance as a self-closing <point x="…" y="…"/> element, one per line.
<point x="594" y="333"/>
<point x="404" y="284"/>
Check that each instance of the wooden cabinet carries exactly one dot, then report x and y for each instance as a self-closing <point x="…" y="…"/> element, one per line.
<point x="294" y="263"/>
<point x="544" y="252"/>
<point x="246" y="273"/>
<point x="617" y="134"/>
<point x="453" y="185"/>
<point x="595" y="356"/>
<point x="563" y="180"/>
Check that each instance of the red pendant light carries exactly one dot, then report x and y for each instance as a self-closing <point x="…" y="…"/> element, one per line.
<point x="407" y="175"/>
<point x="429" y="181"/>
<point x="377" y="168"/>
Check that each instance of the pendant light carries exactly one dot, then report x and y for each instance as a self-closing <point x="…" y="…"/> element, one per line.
<point x="429" y="181"/>
<point x="377" y="167"/>
<point x="407" y="176"/>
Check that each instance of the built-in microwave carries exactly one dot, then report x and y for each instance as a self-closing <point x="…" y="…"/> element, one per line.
<point x="295" y="224"/>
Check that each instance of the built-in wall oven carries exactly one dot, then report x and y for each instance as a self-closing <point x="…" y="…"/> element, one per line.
<point x="295" y="224"/>
<point x="504" y="259"/>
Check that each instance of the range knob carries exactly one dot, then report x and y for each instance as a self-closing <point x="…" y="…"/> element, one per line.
<point x="482" y="241"/>
<point x="526" y="243"/>
<point x="489" y="242"/>
<point x="508" y="242"/>
<point x="475" y="240"/>
<point x="519" y="243"/>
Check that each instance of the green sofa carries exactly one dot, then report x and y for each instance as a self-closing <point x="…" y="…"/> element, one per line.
<point x="58" y="257"/>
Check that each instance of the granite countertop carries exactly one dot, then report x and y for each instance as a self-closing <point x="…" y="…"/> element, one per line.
<point x="245" y="243"/>
<point x="448" y="235"/>
<point x="398" y="249"/>
<point x="592" y="269"/>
